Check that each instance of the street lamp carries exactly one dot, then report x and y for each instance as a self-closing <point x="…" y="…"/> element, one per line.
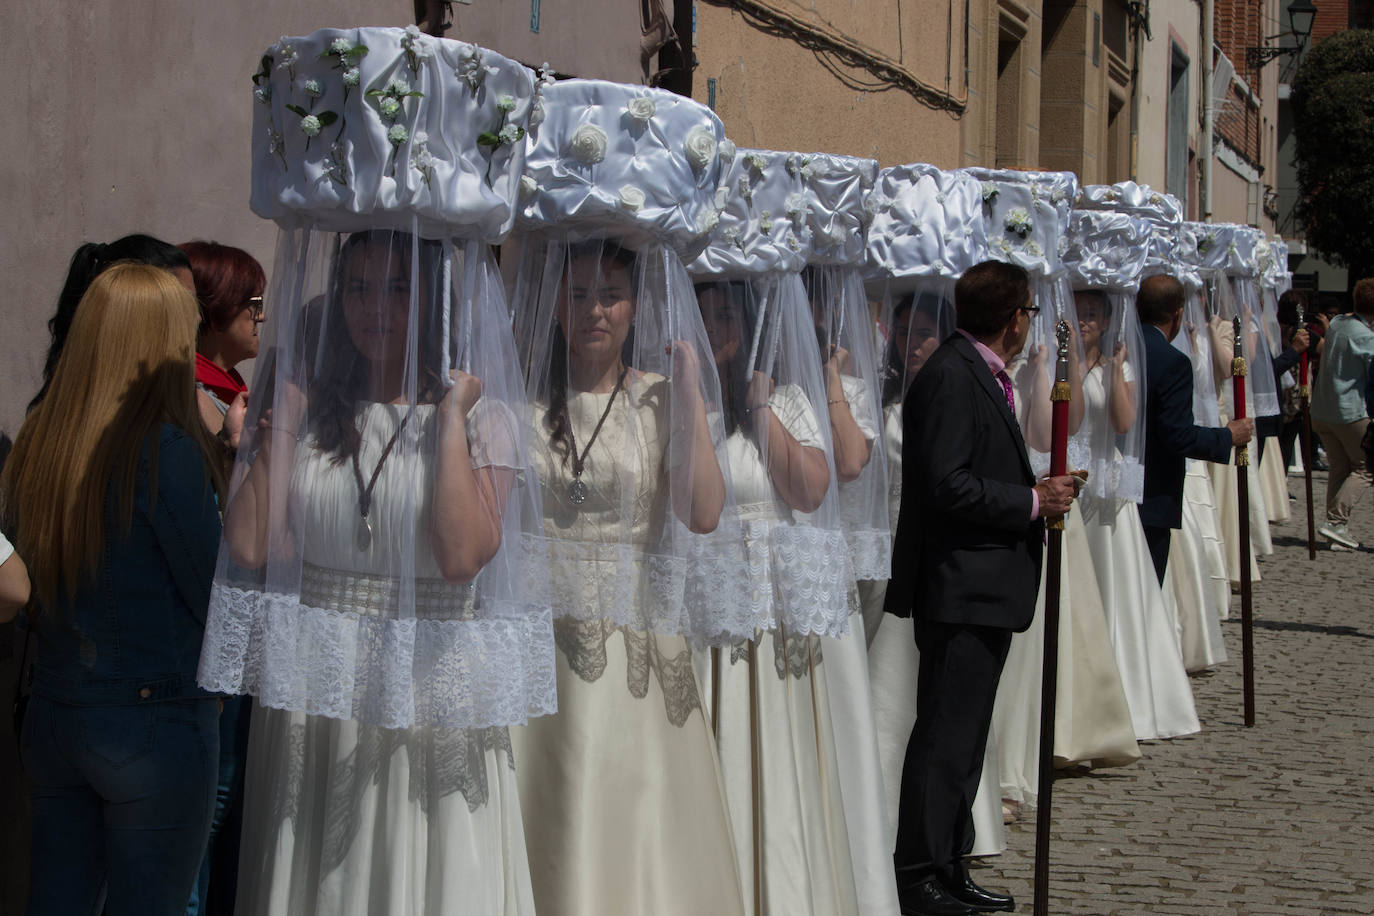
<point x="1300" y="16"/>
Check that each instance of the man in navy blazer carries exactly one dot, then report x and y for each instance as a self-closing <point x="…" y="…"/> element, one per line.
<point x="966" y="567"/>
<point x="1171" y="434"/>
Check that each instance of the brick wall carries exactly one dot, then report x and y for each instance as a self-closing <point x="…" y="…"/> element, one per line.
<point x="1332" y="16"/>
<point x="1239" y="26"/>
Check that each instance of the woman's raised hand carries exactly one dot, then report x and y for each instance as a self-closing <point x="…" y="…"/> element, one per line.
<point x="464" y="393"/>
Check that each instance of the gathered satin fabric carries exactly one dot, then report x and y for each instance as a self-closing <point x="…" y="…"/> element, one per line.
<point x="351" y="175"/>
<point x="926" y="223"/>
<point x="633" y="178"/>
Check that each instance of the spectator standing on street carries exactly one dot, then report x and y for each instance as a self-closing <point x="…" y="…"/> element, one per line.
<point x="1297" y="340"/>
<point x="1339" y="412"/>
<point x="110" y="492"/>
<point x="229" y="286"/>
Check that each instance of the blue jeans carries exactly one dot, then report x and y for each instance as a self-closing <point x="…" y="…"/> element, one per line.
<point x="222" y="853"/>
<point x="122" y="799"/>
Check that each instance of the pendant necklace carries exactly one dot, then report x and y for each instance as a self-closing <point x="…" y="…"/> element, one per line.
<point x="577" y="490"/>
<point x="363" y="536"/>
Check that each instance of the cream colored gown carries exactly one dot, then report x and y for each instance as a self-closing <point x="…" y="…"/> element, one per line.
<point x="768" y="700"/>
<point x="345" y="819"/>
<point x="1138" y="623"/>
<point x="1195" y="580"/>
<point x="1092" y="722"/>
<point x="851" y="713"/>
<point x="624" y="809"/>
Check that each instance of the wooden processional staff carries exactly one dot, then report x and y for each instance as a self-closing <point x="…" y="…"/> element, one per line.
<point x="1247" y="623"/>
<point x="1054" y="545"/>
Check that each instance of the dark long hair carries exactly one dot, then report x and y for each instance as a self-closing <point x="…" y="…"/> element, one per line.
<point x="894" y="367"/>
<point x="556" y="421"/>
<point x="895" y="380"/>
<point x="89" y="261"/>
<point x="734" y="376"/>
<point x="336" y="388"/>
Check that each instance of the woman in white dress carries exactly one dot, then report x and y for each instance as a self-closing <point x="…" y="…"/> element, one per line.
<point x="391" y="490"/>
<point x="1142" y="634"/>
<point x="381" y="588"/>
<point x="1195" y="577"/>
<point x="768" y="696"/>
<point x="621" y="789"/>
<point x="1092" y="721"/>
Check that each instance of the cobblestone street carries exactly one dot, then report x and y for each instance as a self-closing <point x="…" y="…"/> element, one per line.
<point x="1270" y="819"/>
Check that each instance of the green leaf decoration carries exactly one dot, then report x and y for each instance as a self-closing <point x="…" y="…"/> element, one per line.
<point x="487" y="138"/>
<point x="298" y="110"/>
<point x="327" y="118"/>
<point x="375" y="93"/>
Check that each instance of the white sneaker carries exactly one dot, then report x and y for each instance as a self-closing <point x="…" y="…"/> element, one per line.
<point x="1337" y="534"/>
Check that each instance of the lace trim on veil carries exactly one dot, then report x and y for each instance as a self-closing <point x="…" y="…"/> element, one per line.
<point x="451" y="672"/>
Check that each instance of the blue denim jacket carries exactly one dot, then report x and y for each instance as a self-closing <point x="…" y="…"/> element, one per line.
<point x="131" y="633"/>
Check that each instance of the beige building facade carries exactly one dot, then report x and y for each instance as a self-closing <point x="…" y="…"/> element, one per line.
<point x="882" y="79"/>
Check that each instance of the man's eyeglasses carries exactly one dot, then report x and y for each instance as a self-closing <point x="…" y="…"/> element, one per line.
<point x="1029" y="309"/>
<point x="255" y="304"/>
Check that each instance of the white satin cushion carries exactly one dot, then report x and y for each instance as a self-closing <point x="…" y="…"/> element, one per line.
<point x="364" y="168"/>
<point x="763" y="226"/>
<point x="630" y="162"/>
<point x="1106" y="250"/>
<point x="926" y="223"/>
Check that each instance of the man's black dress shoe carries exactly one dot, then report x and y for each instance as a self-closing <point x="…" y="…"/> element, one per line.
<point x="955" y="880"/>
<point x="929" y="898"/>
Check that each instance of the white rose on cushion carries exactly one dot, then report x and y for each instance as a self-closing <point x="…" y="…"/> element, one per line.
<point x="641" y="108"/>
<point x="726" y="149"/>
<point x="701" y="148"/>
<point x="631" y="198"/>
<point x="588" y="144"/>
<point x="707" y="220"/>
<point x="722" y="197"/>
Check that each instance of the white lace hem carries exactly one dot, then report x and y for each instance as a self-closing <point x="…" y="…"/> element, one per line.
<point x="798" y="578"/>
<point x="870" y="553"/>
<point x="383" y="671"/>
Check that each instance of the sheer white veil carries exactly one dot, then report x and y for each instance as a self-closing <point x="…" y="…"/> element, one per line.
<point x="349" y="584"/>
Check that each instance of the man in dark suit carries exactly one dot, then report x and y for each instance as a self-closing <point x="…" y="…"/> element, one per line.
<point x="966" y="567"/>
<point x="1171" y="435"/>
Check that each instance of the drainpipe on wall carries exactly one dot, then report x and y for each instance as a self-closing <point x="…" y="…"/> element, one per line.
<point x="1136" y="27"/>
<point x="1208" y="11"/>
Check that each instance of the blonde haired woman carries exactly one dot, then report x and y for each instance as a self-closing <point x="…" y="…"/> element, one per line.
<point x="110" y="493"/>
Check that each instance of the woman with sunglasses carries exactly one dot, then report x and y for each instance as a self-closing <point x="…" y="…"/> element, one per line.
<point x="229" y="284"/>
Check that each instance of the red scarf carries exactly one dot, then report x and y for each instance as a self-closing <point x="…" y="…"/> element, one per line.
<point x="221" y="383"/>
